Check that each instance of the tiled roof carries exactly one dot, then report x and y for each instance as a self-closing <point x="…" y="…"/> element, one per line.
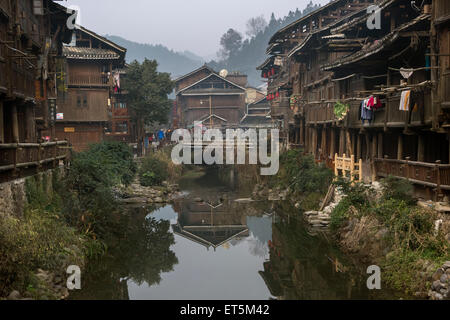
<point x="89" y="53"/>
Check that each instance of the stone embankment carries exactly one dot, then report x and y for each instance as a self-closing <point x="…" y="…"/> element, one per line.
<point x="321" y="219"/>
<point x="440" y="288"/>
<point x="136" y="194"/>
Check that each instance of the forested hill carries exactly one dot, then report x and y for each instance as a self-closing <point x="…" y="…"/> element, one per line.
<point x="252" y="51"/>
<point x="175" y="63"/>
<point x="243" y="57"/>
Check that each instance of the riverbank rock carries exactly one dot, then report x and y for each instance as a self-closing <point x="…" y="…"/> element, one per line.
<point x="322" y="219"/>
<point x="14" y="295"/>
<point x="136" y="194"/>
<point x="440" y="287"/>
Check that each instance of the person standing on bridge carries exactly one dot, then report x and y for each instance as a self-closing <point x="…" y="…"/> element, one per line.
<point x="161" y="137"/>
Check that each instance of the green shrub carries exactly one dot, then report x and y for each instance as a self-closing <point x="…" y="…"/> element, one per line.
<point x="89" y="201"/>
<point x="153" y="171"/>
<point x="357" y="195"/>
<point x="116" y="158"/>
<point x="301" y="173"/>
<point x="340" y="214"/>
<point x="398" y="189"/>
<point x="39" y="240"/>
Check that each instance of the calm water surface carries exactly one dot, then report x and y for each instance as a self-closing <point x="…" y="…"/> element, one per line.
<point x="210" y="246"/>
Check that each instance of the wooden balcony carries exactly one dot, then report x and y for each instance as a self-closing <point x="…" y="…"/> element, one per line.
<point x="89" y="80"/>
<point x="23" y="81"/>
<point x="320" y="113"/>
<point x="280" y="106"/>
<point x="29" y="23"/>
<point x="434" y="175"/>
<point x="22" y="159"/>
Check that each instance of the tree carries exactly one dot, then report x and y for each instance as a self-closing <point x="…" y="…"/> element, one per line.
<point x="231" y="42"/>
<point x="147" y="95"/>
<point x="255" y="26"/>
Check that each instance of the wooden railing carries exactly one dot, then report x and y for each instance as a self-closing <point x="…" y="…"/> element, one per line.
<point x="15" y="157"/>
<point x="435" y="175"/>
<point x="320" y="113"/>
<point x="347" y="167"/>
<point x="89" y="80"/>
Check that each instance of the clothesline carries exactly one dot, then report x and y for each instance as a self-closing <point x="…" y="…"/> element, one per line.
<point x="412" y="69"/>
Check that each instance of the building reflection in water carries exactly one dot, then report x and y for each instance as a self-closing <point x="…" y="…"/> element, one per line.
<point x="211" y="225"/>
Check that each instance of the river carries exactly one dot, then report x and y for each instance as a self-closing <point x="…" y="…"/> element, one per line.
<point x="215" y="244"/>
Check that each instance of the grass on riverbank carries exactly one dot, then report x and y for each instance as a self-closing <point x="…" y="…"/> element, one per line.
<point x="414" y="247"/>
<point x="157" y="167"/>
<point x="67" y="219"/>
<point x="306" y="180"/>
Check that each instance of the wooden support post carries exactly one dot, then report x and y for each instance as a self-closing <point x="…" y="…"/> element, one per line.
<point x="333" y="141"/>
<point x="302" y="136"/>
<point x="354" y="139"/>
<point x="336" y="171"/>
<point x="421" y="148"/>
<point x="400" y="147"/>
<point x="359" y="147"/>
<point x="2" y="124"/>
<point x="314" y="145"/>
<point x="323" y="144"/>
<point x="407" y="167"/>
<point x="380" y="145"/>
<point x="39" y="157"/>
<point x="360" y="171"/>
<point x="308" y="139"/>
<point x="373" y="153"/>
<point x="30" y="124"/>
<point x="352" y="167"/>
<point x="366" y="136"/>
<point x="15" y="124"/>
<point x="341" y="142"/>
<point x="349" y="142"/>
<point x="438" y="180"/>
<point x="15" y="160"/>
<point x="373" y="156"/>
<point x="435" y="101"/>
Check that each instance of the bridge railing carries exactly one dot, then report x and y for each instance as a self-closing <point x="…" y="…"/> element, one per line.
<point x="17" y="158"/>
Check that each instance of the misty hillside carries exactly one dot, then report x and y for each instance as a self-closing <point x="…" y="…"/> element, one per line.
<point x="253" y="50"/>
<point x="245" y="60"/>
<point x="175" y="63"/>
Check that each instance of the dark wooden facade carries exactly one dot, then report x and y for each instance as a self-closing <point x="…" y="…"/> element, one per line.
<point x="120" y="127"/>
<point x="331" y="56"/>
<point x="203" y="95"/>
<point x="31" y="38"/>
<point x="91" y="107"/>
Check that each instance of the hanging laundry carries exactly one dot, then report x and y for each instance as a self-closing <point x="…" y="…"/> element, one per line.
<point x="366" y="112"/>
<point x="404" y="100"/>
<point x="406" y="73"/>
<point x="377" y="103"/>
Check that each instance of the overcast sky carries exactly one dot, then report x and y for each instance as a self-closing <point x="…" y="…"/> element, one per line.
<point x="194" y="25"/>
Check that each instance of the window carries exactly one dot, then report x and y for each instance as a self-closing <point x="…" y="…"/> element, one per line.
<point x="120" y="105"/>
<point x="122" y="127"/>
<point x="82" y="101"/>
